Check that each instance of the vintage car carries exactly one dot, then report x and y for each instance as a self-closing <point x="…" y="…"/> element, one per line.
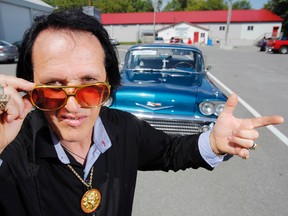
<point x="167" y="85"/>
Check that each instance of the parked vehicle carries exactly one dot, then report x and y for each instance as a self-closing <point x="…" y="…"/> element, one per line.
<point x="277" y="46"/>
<point x="158" y="40"/>
<point x="167" y="85"/>
<point x="114" y="41"/>
<point x="18" y="44"/>
<point x="8" y="52"/>
<point x="176" y="40"/>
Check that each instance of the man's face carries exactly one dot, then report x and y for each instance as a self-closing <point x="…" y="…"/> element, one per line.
<point x="64" y="58"/>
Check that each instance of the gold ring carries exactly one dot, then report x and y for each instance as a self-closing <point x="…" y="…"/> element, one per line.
<point x="253" y="147"/>
<point x="3" y="99"/>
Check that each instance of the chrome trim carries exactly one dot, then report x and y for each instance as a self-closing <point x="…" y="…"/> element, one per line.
<point x="153" y="108"/>
<point x="174" y="117"/>
<point x="178" y="125"/>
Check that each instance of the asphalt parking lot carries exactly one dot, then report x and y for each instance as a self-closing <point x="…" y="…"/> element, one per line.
<point x="256" y="187"/>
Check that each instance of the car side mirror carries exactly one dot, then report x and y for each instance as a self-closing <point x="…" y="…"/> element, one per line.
<point x="208" y="67"/>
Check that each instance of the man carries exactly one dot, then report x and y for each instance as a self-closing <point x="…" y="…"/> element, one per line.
<point x="70" y="156"/>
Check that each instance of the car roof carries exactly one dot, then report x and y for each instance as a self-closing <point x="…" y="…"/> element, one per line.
<point x="5" y="42"/>
<point x="165" y="45"/>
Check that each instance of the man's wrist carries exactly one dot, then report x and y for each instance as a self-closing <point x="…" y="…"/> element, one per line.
<point x="214" y="146"/>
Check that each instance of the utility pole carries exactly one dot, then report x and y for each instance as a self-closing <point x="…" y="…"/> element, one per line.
<point x="154" y="19"/>
<point x="228" y="20"/>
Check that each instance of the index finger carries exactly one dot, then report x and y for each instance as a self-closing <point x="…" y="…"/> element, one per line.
<point x="18" y="83"/>
<point x="266" y="120"/>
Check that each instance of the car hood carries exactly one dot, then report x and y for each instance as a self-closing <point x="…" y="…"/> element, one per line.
<point x="162" y="94"/>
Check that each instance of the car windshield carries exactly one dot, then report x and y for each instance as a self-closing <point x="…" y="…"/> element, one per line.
<point x="164" y="59"/>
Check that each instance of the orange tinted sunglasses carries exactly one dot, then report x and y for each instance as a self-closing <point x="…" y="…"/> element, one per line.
<point x="49" y="98"/>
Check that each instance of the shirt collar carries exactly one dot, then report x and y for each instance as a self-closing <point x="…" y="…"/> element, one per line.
<point x="101" y="143"/>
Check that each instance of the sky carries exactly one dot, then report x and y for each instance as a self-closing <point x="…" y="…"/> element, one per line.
<point x="256" y="4"/>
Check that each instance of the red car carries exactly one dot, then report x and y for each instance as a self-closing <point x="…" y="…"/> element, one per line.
<point x="277" y="46"/>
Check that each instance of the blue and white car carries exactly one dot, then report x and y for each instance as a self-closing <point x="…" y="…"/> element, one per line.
<point x="167" y="85"/>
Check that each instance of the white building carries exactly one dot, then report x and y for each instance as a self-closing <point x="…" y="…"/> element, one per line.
<point x="246" y="26"/>
<point x="185" y="31"/>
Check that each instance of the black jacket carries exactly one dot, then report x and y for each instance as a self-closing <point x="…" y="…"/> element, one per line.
<point x="34" y="182"/>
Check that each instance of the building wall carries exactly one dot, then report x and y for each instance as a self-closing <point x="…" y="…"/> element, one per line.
<point x="238" y="35"/>
<point x="15" y="18"/>
<point x="184" y="31"/>
<point x="241" y="34"/>
<point x="129" y="33"/>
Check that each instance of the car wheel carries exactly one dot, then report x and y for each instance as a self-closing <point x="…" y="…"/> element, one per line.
<point x="283" y="50"/>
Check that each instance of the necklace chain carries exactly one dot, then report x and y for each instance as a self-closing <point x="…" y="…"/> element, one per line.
<point x="88" y="185"/>
<point x="73" y="152"/>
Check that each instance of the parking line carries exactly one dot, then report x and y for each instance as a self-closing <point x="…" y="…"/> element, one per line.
<point x="272" y="128"/>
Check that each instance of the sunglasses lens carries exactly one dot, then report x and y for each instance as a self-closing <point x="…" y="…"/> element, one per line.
<point x="92" y="96"/>
<point x="48" y="98"/>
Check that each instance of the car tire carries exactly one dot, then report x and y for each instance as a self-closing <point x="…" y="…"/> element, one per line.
<point x="283" y="50"/>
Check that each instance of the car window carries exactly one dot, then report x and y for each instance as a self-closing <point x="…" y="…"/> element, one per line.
<point x="181" y="59"/>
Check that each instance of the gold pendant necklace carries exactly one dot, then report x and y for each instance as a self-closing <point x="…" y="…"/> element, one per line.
<point x="92" y="197"/>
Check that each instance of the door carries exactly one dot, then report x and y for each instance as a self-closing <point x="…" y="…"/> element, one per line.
<point x="196" y="37"/>
<point x="275" y="31"/>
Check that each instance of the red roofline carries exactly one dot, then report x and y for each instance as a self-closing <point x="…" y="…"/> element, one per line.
<point x="218" y="16"/>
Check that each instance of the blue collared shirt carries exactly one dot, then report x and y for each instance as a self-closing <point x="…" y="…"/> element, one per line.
<point x="101" y="142"/>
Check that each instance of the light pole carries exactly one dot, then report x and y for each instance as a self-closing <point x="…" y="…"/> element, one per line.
<point x="154" y="19"/>
<point x="228" y="20"/>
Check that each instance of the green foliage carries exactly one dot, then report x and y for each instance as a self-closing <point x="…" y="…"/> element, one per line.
<point x="190" y="5"/>
<point x="241" y="5"/>
<point x="174" y="5"/>
<point x="194" y="5"/>
<point x="279" y="7"/>
<point x="109" y="6"/>
<point x="216" y="5"/>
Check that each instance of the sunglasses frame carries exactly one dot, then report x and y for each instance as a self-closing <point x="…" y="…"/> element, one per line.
<point x="68" y="94"/>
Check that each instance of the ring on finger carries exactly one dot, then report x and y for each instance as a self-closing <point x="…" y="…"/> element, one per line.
<point x="253" y="147"/>
<point x="3" y="98"/>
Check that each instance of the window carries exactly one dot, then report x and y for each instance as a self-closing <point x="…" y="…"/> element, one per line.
<point x="202" y="35"/>
<point x="221" y="28"/>
<point x="250" y="28"/>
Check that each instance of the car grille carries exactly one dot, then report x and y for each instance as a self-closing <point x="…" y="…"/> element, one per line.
<point x="179" y="127"/>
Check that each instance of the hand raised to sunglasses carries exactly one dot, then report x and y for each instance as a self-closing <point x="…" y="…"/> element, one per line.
<point x="15" y="111"/>
<point x="236" y="136"/>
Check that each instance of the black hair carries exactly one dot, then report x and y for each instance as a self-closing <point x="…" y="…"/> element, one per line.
<point x="74" y="20"/>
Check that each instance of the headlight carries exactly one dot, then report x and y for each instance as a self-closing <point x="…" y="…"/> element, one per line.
<point x="108" y="102"/>
<point x="207" y="108"/>
<point x="211" y="107"/>
<point x="219" y="108"/>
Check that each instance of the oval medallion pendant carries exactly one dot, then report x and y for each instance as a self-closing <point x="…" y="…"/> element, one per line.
<point x="90" y="200"/>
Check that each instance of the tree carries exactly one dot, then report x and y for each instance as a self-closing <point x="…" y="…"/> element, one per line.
<point x="279" y="7"/>
<point x="62" y="4"/>
<point x="109" y="6"/>
<point x="188" y="5"/>
<point x="241" y="5"/>
<point x="216" y="5"/>
<point x="194" y="5"/>
<point x="174" y="5"/>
